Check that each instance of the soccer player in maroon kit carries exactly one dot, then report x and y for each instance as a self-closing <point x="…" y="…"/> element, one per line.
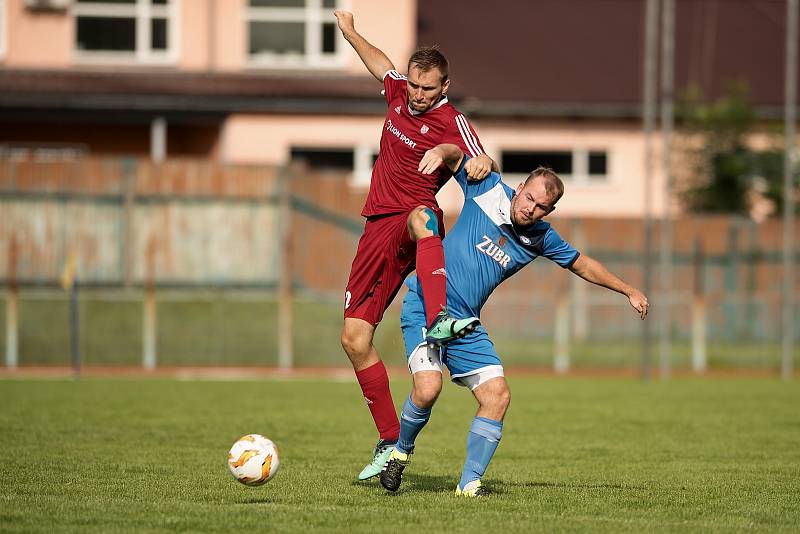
<point x="404" y="225"/>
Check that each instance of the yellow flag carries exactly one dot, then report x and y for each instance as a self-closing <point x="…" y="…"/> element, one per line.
<point x="68" y="274"/>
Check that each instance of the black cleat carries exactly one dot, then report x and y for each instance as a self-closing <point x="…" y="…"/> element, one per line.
<point x="392" y="473"/>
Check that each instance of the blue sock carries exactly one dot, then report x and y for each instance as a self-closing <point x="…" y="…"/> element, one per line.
<point x="412" y="420"/>
<point x="482" y="440"/>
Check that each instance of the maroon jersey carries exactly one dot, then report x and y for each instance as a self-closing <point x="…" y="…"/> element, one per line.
<point x="396" y="185"/>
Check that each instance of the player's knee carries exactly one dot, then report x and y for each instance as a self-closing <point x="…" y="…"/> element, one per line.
<point x="423" y="222"/>
<point x="427" y="387"/>
<point x="425" y="397"/>
<point x="496" y="398"/>
<point x="503" y="399"/>
<point x="355" y="345"/>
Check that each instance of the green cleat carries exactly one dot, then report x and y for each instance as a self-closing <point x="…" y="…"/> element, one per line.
<point x="446" y="328"/>
<point x="379" y="458"/>
<point x="392" y="473"/>
<point x="472" y="489"/>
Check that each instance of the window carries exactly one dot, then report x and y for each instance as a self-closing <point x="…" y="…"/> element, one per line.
<point x="140" y="31"/>
<point x="293" y="33"/>
<point x="578" y="165"/>
<point x="328" y="159"/>
<point x="524" y="162"/>
<point x="597" y="165"/>
<point x="358" y="161"/>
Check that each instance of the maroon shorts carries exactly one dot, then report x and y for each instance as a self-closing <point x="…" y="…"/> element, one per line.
<point x="386" y="255"/>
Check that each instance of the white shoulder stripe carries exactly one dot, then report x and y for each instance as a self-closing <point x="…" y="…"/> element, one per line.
<point x="471" y="135"/>
<point x="466" y="134"/>
<point x="495" y="204"/>
<point x="465" y="137"/>
<point x="393" y="74"/>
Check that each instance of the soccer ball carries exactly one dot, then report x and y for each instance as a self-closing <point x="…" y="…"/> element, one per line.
<point x="253" y="460"/>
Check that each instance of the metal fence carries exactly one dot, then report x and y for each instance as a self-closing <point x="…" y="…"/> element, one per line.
<point x="191" y="263"/>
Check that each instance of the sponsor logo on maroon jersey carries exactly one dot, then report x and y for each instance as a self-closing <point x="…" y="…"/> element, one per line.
<point x="424" y="129"/>
<point x="395" y="131"/>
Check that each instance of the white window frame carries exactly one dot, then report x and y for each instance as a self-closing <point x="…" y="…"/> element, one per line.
<point x="580" y="165"/>
<point x="313" y="15"/>
<point x="3" y="28"/>
<point x="143" y="11"/>
<point x="580" y="161"/>
<point x="362" y="164"/>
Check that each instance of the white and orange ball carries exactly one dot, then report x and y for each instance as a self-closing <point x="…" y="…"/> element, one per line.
<point x="253" y="460"/>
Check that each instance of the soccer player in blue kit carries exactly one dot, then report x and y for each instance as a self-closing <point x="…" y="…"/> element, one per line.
<point x="500" y="230"/>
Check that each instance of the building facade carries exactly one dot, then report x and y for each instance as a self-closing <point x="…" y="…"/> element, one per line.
<point x="265" y="81"/>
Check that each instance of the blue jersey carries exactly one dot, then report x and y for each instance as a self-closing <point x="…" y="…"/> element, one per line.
<point x="484" y="248"/>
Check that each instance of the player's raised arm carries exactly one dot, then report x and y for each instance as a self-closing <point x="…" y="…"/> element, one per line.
<point x="374" y="59"/>
<point x="595" y="272"/>
<point x="445" y="153"/>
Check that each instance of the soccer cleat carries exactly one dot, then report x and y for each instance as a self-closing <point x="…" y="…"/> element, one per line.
<point x="446" y="328"/>
<point x="472" y="489"/>
<point x="392" y="473"/>
<point x="379" y="458"/>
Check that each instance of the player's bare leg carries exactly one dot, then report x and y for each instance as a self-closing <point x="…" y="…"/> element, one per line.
<point x="415" y="415"/>
<point x="425" y="228"/>
<point x="493" y="398"/>
<point x="357" y="336"/>
<point x="484" y="436"/>
<point x="427" y="386"/>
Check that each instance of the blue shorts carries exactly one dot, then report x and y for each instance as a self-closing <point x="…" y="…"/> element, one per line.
<point x="466" y="357"/>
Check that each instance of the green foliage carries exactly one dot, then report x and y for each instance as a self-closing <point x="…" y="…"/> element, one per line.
<point x="577" y="455"/>
<point x="725" y="121"/>
<point x="725" y="170"/>
<point x="769" y="165"/>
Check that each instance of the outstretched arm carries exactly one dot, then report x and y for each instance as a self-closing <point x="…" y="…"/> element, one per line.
<point x="448" y="154"/>
<point x="595" y="272"/>
<point x="374" y="59"/>
<point x="477" y="168"/>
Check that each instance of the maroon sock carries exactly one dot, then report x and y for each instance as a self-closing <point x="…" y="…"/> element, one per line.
<point x="374" y="383"/>
<point x="432" y="276"/>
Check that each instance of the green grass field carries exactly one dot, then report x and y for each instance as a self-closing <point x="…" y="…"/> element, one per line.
<point x="577" y="455"/>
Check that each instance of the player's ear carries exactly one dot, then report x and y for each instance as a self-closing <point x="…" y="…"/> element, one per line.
<point x="445" y="86"/>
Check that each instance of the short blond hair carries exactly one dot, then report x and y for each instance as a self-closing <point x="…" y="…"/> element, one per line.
<point x="429" y="58"/>
<point x="553" y="184"/>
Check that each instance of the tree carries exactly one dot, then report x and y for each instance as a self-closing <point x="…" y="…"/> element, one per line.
<point x="725" y="174"/>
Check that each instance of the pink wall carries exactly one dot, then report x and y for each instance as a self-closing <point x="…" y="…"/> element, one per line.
<point x="38" y="40"/>
<point x="622" y="194"/>
<point x="230" y="50"/>
<point x="267" y="139"/>
<point x="389" y="25"/>
<point x="196" y="53"/>
<point x="212" y="34"/>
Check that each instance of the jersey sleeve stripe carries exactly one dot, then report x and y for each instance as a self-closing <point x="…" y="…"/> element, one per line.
<point x="393" y="74"/>
<point x="466" y="135"/>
